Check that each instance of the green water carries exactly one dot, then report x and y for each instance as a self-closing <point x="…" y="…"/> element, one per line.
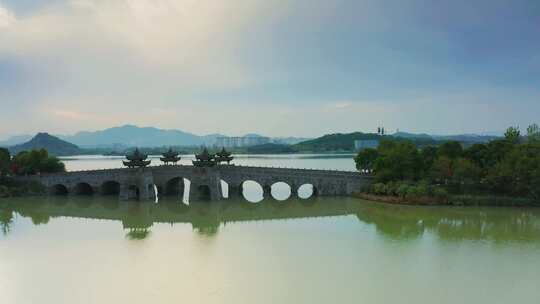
<point x="319" y="250"/>
<point x="97" y="250"/>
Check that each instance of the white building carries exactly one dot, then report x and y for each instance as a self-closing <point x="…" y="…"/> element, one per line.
<point x="362" y="144"/>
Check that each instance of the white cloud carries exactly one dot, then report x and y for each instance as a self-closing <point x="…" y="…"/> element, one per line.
<point x="192" y="41"/>
<point x="6" y="17"/>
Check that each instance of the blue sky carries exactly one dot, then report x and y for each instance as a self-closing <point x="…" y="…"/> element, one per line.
<point x="300" y="68"/>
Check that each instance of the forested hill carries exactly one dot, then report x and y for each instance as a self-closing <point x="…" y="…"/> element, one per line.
<point x="340" y="142"/>
<point x="334" y="142"/>
<point x="54" y="145"/>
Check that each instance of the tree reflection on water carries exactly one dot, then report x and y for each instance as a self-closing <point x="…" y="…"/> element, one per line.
<point x="390" y="221"/>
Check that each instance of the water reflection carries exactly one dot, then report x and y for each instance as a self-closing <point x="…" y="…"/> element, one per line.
<point x="206" y="218"/>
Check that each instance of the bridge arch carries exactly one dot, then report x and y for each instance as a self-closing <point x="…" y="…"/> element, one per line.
<point x="252" y="191"/>
<point x="110" y="188"/>
<point x="175" y="186"/>
<point x="83" y="189"/>
<point x="59" y="189"/>
<point x="306" y="191"/>
<point x="281" y="191"/>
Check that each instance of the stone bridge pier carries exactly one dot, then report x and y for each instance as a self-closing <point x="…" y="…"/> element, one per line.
<point x="139" y="186"/>
<point x="205" y="185"/>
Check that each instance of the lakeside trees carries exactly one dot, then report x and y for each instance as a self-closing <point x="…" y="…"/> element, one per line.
<point x="25" y="163"/>
<point x="509" y="166"/>
<point x="35" y="162"/>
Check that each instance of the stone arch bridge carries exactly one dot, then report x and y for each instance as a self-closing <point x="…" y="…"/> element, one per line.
<point x="140" y="183"/>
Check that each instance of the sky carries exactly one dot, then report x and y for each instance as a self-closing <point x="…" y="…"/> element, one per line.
<point x="278" y="68"/>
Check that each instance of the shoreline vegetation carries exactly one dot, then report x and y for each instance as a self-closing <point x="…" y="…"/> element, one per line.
<point x="503" y="172"/>
<point x="451" y="200"/>
<point x="25" y="163"/>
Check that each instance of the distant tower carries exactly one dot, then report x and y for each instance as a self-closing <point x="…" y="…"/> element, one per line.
<point x="379" y="131"/>
<point x="382" y="131"/>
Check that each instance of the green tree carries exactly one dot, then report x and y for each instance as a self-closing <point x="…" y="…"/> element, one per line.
<point x="37" y="161"/>
<point x="365" y="160"/>
<point x="478" y="154"/>
<point x="466" y="172"/>
<point x="443" y="170"/>
<point x="533" y="133"/>
<point x="497" y="151"/>
<point x="5" y="160"/>
<point x="518" y="173"/>
<point x="512" y="135"/>
<point x="450" y="149"/>
<point x="398" y="161"/>
<point x="429" y="156"/>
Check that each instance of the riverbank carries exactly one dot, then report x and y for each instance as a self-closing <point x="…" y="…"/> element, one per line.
<point x="451" y="200"/>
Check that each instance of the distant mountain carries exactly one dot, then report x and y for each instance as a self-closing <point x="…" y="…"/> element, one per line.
<point x="130" y="135"/>
<point x="289" y="140"/>
<point x="253" y="135"/>
<point x="54" y="145"/>
<point x="15" y="140"/>
<point x="334" y="142"/>
<point x="411" y="135"/>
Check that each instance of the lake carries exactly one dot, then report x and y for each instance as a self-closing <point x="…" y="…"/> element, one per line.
<point x="313" y="250"/>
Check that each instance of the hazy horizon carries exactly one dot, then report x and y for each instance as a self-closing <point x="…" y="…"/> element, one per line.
<point x="294" y="68"/>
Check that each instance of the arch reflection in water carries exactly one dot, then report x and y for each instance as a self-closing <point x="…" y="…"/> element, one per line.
<point x="394" y="222"/>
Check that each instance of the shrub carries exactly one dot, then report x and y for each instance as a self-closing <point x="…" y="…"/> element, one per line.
<point x="412" y="192"/>
<point x="379" y="188"/>
<point x="439" y="192"/>
<point x="391" y="188"/>
<point x="422" y="189"/>
<point x="402" y="190"/>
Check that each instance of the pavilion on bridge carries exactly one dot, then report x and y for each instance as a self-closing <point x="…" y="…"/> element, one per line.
<point x="170" y="157"/>
<point x="224" y="156"/>
<point x="136" y="159"/>
<point x="204" y="159"/>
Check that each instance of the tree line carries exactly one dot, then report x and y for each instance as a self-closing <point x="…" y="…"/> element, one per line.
<point x="509" y="166"/>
